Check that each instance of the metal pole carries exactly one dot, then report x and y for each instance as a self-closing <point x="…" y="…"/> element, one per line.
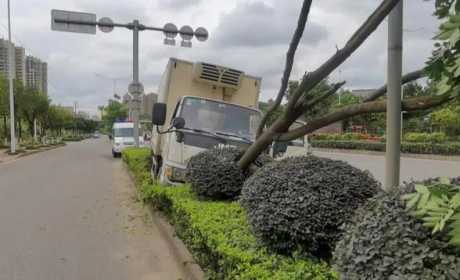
<point x="135" y="81"/>
<point x="35" y="130"/>
<point x="393" y="146"/>
<point x="10" y="82"/>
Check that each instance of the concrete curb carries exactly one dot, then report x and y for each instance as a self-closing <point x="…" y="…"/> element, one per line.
<point x="364" y="152"/>
<point x="31" y="152"/>
<point x="177" y="247"/>
<point x="28" y="153"/>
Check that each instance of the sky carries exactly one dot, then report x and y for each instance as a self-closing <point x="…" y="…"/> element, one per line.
<point x="248" y="35"/>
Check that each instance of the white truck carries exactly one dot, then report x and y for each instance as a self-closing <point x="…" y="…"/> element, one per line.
<point x="200" y="105"/>
<point x="122" y="137"/>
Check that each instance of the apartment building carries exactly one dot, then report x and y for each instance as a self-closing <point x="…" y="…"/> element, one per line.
<point x="4" y="58"/>
<point x="20" y="64"/>
<point x="31" y="71"/>
<point x="36" y="74"/>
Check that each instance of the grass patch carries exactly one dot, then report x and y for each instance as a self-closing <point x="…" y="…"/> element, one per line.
<point x="217" y="233"/>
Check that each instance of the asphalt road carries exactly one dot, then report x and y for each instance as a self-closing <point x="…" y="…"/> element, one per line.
<point x="71" y="213"/>
<point x="411" y="168"/>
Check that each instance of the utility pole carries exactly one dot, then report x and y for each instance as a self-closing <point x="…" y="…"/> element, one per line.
<point x="394" y="68"/>
<point x="86" y="23"/>
<point x="10" y="83"/>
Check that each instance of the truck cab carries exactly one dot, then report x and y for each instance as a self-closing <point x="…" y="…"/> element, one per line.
<point x="206" y="123"/>
<point x="200" y="105"/>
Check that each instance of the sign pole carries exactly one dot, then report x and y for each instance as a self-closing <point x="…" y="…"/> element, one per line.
<point x="10" y="82"/>
<point x="136" y="92"/>
<point x="393" y="146"/>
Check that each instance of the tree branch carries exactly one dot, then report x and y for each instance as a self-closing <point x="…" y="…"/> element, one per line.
<point x="409" y="105"/>
<point x="409" y="77"/>
<point x="363" y="32"/>
<point x="320" y="98"/>
<point x="289" y="63"/>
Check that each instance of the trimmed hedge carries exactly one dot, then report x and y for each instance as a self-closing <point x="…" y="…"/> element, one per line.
<point x="301" y="202"/>
<point x="215" y="174"/>
<point x="139" y="162"/>
<point x="218" y="234"/>
<point x="418" y="137"/>
<point x="219" y="237"/>
<point x="384" y="241"/>
<point x="450" y="149"/>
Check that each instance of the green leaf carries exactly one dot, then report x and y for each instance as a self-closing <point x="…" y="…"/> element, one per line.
<point x="444" y="180"/>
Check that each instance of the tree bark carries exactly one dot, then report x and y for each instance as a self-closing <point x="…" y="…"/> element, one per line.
<point x="289" y="63"/>
<point x="311" y="80"/>
<point x="409" y="105"/>
<point x="325" y="95"/>
<point x="363" y="32"/>
<point x="409" y="77"/>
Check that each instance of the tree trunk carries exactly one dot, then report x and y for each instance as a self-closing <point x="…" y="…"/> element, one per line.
<point x="278" y="130"/>
<point x="4" y="127"/>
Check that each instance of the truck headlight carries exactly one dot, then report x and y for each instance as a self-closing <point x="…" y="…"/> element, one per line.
<point x="175" y="173"/>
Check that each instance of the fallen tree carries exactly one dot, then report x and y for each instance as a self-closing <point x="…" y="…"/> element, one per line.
<point x="301" y="101"/>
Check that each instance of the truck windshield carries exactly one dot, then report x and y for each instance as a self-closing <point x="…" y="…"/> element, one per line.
<point x="123" y="132"/>
<point x="214" y="116"/>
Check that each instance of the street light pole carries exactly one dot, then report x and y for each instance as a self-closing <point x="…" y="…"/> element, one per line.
<point x="10" y="83"/>
<point x="393" y="145"/>
<point x="138" y="91"/>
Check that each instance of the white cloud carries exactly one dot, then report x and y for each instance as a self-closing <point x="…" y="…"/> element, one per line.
<point x="250" y="35"/>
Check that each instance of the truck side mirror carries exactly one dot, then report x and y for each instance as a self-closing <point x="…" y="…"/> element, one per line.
<point x="178" y="123"/>
<point x="159" y="114"/>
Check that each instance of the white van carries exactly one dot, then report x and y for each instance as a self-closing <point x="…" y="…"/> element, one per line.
<point x="123" y="137"/>
<point x="296" y="147"/>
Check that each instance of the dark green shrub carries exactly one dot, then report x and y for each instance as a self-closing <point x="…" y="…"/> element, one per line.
<point x="384" y="242"/>
<point x="214" y="173"/>
<point x="301" y="202"/>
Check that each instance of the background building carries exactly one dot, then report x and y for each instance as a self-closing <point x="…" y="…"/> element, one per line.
<point x="20" y="64"/>
<point x="31" y="71"/>
<point x="4" y="58"/>
<point x="36" y="74"/>
<point x="147" y="104"/>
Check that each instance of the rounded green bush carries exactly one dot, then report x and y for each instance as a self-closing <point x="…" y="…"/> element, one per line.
<point x="300" y="203"/>
<point x="215" y="174"/>
<point x="383" y="241"/>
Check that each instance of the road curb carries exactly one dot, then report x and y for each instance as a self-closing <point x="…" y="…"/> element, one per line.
<point x="376" y="153"/>
<point x="32" y="152"/>
<point x="189" y="266"/>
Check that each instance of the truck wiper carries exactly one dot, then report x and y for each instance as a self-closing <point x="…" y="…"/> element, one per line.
<point x="207" y="132"/>
<point x="234" y="135"/>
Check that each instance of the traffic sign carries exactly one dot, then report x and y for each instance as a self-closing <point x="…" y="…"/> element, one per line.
<point x="186" y="33"/>
<point x="68" y="21"/>
<point x="135" y="88"/>
<point x="201" y="34"/>
<point x="105" y="24"/>
<point x="170" y="30"/>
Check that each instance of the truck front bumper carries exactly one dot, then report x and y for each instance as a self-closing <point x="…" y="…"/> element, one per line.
<point x="174" y="173"/>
